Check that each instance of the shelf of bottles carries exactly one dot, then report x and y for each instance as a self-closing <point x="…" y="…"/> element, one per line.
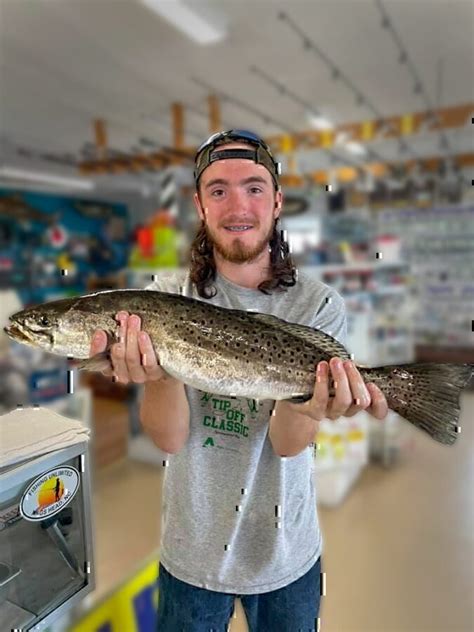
<point x="438" y="243"/>
<point x="379" y="309"/>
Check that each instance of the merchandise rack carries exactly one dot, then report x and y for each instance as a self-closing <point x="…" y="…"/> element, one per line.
<point x="438" y="243"/>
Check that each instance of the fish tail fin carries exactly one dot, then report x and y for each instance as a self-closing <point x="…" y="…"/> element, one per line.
<point x="427" y="395"/>
<point x="98" y="362"/>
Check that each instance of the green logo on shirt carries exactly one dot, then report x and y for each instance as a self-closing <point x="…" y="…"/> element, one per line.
<point x="226" y="414"/>
<point x="253" y="406"/>
<point x="208" y="441"/>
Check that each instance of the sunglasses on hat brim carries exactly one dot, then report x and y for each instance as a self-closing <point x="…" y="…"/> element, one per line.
<point x="261" y="155"/>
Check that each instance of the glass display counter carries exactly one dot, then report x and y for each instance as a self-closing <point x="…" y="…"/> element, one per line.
<point x="46" y="551"/>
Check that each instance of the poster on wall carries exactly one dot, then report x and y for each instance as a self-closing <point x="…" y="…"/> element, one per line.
<point x="51" y="245"/>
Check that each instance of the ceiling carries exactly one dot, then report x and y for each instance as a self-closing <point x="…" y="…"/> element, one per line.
<point x="67" y="62"/>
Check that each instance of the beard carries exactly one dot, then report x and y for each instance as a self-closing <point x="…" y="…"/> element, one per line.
<point x="239" y="251"/>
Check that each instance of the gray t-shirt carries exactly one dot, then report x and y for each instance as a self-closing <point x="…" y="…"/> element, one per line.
<point x="236" y="517"/>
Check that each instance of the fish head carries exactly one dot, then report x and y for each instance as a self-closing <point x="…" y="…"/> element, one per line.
<point x="58" y="327"/>
<point x="35" y="327"/>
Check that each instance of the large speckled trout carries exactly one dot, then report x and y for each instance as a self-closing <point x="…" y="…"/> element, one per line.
<point x="237" y="353"/>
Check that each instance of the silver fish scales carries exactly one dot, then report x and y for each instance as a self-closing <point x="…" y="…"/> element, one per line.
<point x="238" y="353"/>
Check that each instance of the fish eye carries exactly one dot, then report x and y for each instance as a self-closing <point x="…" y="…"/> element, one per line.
<point x="44" y="321"/>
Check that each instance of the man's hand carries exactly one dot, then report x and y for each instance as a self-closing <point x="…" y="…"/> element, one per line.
<point x="133" y="359"/>
<point x="351" y="393"/>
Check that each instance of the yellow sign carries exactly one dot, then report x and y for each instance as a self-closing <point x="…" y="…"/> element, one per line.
<point x="327" y="138"/>
<point x="132" y="608"/>
<point x="367" y="130"/>
<point x="287" y="143"/>
<point x="407" y="122"/>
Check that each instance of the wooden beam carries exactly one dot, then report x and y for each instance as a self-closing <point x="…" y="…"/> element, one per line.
<point x="446" y="118"/>
<point x="100" y="133"/>
<point x="134" y="163"/>
<point x="215" y="124"/>
<point x="391" y="127"/>
<point x="178" y="125"/>
<point x="348" y="174"/>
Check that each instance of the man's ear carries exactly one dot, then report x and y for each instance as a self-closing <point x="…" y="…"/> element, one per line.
<point x="278" y="203"/>
<point x="197" y="204"/>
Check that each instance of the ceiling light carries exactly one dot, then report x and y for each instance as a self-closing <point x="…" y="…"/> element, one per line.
<point x="46" y="178"/>
<point x="187" y="20"/>
<point x="319" y="122"/>
<point x="355" y="148"/>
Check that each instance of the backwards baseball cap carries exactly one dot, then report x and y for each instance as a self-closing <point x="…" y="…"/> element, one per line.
<point x="261" y="154"/>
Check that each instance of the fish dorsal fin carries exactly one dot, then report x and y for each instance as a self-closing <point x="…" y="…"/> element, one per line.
<point x="315" y="337"/>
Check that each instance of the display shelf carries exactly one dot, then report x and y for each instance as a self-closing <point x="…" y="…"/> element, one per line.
<point x="439" y="245"/>
<point x="426" y="353"/>
<point x="341" y="452"/>
<point x="378" y="313"/>
<point x="393" y="289"/>
<point x="386" y="439"/>
<point x="348" y="268"/>
<point x="379" y="332"/>
<point x="333" y="486"/>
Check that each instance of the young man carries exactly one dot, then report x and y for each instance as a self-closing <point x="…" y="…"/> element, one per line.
<point x="239" y="506"/>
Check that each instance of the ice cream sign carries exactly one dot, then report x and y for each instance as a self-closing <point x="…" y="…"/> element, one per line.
<point x="48" y="494"/>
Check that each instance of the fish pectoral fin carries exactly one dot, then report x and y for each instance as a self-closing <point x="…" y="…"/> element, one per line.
<point x="299" y="399"/>
<point x="99" y="362"/>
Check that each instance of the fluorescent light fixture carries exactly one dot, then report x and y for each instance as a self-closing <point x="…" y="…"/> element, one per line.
<point x="319" y="122"/>
<point x="355" y="148"/>
<point x="187" y="20"/>
<point x="46" y="178"/>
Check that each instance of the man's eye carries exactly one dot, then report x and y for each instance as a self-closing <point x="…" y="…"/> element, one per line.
<point x="217" y="193"/>
<point x="255" y="190"/>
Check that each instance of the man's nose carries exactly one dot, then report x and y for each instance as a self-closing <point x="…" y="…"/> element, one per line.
<point x="237" y="198"/>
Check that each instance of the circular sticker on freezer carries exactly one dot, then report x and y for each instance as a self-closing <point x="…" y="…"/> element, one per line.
<point x="48" y="494"/>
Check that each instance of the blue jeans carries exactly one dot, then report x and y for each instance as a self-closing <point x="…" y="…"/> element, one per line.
<point x="186" y="608"/>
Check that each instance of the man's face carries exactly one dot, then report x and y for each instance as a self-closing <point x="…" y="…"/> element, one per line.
<point x="238" y="204"/>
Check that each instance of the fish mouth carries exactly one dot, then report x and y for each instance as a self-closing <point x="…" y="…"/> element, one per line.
<point x="19" y="333"/>
<point x="16" y="332"/>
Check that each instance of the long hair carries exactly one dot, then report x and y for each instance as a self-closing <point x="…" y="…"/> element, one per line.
<point x="203" y="267"/>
